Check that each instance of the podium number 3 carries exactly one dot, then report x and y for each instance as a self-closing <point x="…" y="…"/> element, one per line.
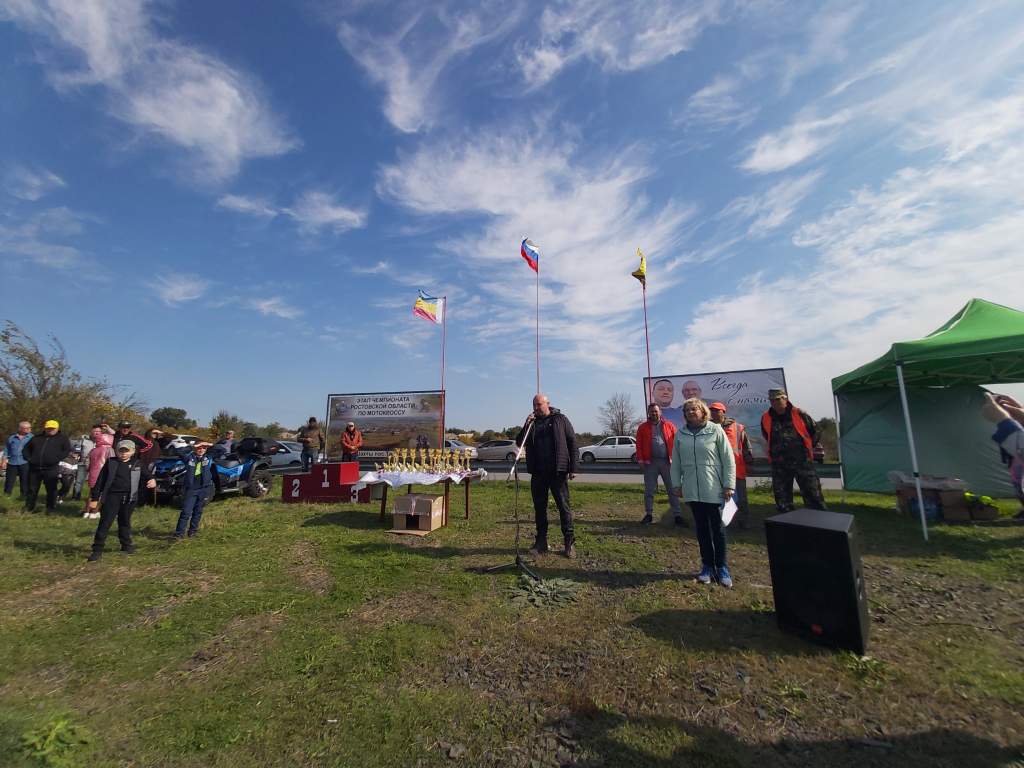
<point x="326" y="483"/>
<point x="295" y="488"/>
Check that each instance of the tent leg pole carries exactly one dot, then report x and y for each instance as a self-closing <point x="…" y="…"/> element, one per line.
<point x="913" y="450"/>
<point x="839" y="449"/>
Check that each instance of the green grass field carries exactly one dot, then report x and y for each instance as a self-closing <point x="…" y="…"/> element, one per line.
<point x="309" y="636"/>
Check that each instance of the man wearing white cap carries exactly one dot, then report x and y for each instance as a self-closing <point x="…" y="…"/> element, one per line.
<point x="44" y="453"/>
<point x="117" y="488"/>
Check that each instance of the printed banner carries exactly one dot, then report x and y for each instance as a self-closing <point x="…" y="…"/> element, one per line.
<point x="744" y="394"/>
<point x="388" y="420"/>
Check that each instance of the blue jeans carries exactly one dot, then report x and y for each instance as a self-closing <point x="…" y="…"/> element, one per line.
<point x="191" y="512"/>
<point x="707" y="520"/>
<point x="19" y="472"/>
<point x="308" y="457"/>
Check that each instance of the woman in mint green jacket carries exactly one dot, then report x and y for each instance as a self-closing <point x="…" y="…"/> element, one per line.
<point x="704" y="474"/>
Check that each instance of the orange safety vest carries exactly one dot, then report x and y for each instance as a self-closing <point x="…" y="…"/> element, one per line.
<point x="798" y="425"/>
<point x="735" y="434"/>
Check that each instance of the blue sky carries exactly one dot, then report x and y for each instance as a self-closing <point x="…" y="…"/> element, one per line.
<point x="232" y="205"/>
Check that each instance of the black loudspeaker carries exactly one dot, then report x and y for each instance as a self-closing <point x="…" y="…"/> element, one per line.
<point x="817" y="577"/>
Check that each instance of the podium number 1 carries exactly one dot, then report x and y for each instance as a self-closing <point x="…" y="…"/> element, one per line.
<point x="295" y="488"/>
<point x="326" y="483"/>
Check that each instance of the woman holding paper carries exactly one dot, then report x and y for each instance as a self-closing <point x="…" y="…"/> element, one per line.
<point x="704" y="475"/>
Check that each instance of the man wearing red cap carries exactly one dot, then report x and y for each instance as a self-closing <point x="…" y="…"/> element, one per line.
<point x="737" y="434"/>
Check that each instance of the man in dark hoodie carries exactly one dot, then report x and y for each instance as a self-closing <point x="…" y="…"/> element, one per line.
<point x="117" y="488"/>
<point x="551" y="460"/>
<point x="44" y="453"/>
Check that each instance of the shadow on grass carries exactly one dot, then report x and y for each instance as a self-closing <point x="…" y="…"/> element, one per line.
<point x="723" y="630"/>
<point x="358" y="519"/>
<point x="614" y="739"/>
<point x="49" y="548"/>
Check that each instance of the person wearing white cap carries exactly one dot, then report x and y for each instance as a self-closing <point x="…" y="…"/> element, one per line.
<point x="117" y="489"/>
<point x="44" y="453"/>
<point x="351" y="442"/>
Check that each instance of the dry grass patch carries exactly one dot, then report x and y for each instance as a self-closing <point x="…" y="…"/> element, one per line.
<point x="308" y="569"/>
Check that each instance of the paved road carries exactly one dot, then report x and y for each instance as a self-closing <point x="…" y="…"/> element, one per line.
<point x="616" y="472"/>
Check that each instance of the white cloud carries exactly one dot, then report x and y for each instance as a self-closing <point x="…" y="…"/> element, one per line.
<point x="408" y="62"/>
<point x="618" y="36"/>
<point x="587" y="217"/>
<point x="159" y="86"/>
<point x="775" y="206"/>
<point x="275" y="306"/>
<point x="178" y="288"/>
<point x="248" y="205"/>
<point x="717" y="105"/>
<point x="313" y="211"/>
<point x="37" y="238"/>
<point x="318" y="210"/>
<point x="380" y="268"/>
<point x="793" y="144"/>
<point x="31" y="185"/>
<point x="826" y="31"/>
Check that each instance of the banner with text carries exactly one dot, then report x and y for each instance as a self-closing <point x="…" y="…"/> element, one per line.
<point x="744" y="394"/>
<point x="388" y="420"/>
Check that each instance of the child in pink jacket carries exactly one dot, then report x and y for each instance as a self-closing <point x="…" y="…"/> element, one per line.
<point x="97" y="458"/>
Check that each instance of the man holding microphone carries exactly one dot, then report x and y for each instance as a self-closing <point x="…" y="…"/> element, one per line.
<point x="551" y="460"/>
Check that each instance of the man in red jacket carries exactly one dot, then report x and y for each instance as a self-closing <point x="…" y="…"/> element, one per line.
<point x="740" y="442"/>
<point x="654" y="440"/>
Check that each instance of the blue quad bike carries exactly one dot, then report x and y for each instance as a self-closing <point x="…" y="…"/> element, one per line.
<point x="246" y="469"/>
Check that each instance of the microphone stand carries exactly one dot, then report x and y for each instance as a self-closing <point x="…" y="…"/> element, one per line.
<point x="513" y="474"/>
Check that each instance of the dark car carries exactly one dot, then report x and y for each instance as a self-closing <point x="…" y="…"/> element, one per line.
<point x="819" y="453"/>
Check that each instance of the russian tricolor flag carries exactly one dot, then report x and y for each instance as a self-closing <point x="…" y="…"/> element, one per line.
<point x="531" y="253"/>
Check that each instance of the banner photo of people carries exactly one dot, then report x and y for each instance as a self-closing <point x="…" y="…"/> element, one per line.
<point x="388" y="420"/>
<point x="744" y="394"/>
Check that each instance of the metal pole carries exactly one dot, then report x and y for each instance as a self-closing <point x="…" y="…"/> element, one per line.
<point x="444" y="341"/>
<point x="839" y="448"/>
<point x="913" y="449"/>
<point x="647" y="341"/>
<point x="538" y="328"/>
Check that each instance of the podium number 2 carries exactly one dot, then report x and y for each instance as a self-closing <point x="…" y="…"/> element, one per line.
<point x="326" y="483"/>
<point x="295" y="488"/>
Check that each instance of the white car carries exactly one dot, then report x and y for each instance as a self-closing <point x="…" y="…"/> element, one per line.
<point x="458" y="445"/>
<point x="617" y="448"/>
<point x="289" y="454"/>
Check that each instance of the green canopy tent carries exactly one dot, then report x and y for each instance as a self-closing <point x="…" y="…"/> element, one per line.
<point x="983" y="343"/>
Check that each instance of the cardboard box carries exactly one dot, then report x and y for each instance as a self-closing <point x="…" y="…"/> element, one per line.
<point x="984" y="512"/>
<point x="418" y="514"/>
<point x="955" y="508"/>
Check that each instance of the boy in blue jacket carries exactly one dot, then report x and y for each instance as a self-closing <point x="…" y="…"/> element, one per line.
<point x="198" y="484"/>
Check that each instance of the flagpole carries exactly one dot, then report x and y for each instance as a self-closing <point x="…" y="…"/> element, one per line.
<point x="538" y="328"/>
<point x="647" y="341"/>
<point x="444" y="336"/>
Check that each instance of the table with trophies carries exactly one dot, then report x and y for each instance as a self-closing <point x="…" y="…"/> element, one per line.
<point x="424" y="466"/>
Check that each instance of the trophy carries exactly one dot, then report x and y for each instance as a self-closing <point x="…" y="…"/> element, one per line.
<point x="466" y="459"/>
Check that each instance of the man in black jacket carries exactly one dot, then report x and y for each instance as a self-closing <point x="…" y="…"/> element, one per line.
<point x="117" y="488"/>
<point x="43" y="453"/>
<point x="551" y="458"/>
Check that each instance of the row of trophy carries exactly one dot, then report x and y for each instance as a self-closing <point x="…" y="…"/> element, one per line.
<point x="433" y="461"/>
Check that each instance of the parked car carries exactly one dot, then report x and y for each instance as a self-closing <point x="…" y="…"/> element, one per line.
<point x="498" y="450"/>
<point x="617" y="448"/>
<point x="819" y="453"/>
<point x="458" y="445"/>
<point x="289" y="454"/>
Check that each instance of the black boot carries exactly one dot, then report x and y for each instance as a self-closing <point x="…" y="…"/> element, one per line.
<point x="95" y="556"/>
<point x="540" y="547"/>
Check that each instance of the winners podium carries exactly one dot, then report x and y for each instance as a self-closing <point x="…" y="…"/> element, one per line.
<point x="326" y="483"/>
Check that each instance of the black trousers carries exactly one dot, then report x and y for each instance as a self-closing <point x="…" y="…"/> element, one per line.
<point x="17" y="472"/>
<point x="557" y="484"/>
<point x="47" y="476"/>
<point x="119" y="506"/>
<point x="346" y="456"/>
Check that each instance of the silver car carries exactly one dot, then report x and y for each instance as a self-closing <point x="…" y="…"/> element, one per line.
<point x="289" y="454"/>
<point x="498" y="450"/>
